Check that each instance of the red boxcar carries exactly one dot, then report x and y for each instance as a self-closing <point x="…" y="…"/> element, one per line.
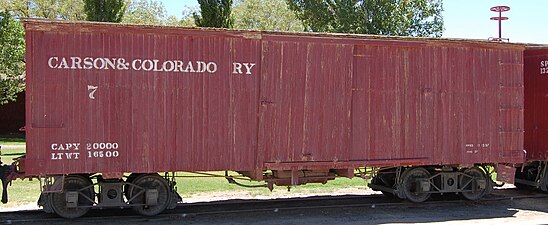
<point x="286" y="108"/>
<point x="170" y="99"/>
<point x="535" y="171"/>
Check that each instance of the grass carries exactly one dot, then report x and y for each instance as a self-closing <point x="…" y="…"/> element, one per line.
<point x="23" y="192"/>
<point x="11" y="140"/>
<point x="11" y="152"/>
<point x="12" y="147"/>
<point x="191" y="186"/>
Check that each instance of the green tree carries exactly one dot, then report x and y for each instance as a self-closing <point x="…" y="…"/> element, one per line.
<point x="265" y="15"/>
<point x="384" y="17"/>
<point x="50" y="9"/>
<point x="215" y="13"/>
<point x="147" y="12"/>
<point x="187" y="17"/>
<point x="104" y="10"/>
<point x="12" y="54"/>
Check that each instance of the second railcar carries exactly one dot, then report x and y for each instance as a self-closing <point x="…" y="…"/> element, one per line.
<point x="535" y="171"/>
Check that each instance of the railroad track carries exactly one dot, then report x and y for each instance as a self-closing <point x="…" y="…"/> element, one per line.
<point x="242" y="207"/>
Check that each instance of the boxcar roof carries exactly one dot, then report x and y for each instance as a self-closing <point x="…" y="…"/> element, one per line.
<point x="87" y="26"/>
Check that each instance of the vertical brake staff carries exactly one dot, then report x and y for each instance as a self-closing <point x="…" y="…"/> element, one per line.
<point x="500" y="18"/>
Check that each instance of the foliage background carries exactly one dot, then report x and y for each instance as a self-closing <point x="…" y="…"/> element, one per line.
<point x="12" y="55"/>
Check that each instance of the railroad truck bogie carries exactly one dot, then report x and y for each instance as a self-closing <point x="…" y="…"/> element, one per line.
<point x="419" y="182"/>
<point x="72" y="196"/>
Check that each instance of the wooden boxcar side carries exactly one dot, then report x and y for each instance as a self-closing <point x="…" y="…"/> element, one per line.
<point x="118" y="98"/>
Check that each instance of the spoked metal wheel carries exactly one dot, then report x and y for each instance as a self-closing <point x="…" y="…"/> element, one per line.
<point x="129" y="181"/>
<point x="413" y="188"/>
<point x="474" y="183"/>
<point x="151" y="193"/>
<point x="76" y="199"/>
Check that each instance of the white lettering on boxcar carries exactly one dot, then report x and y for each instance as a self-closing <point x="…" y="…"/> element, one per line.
<point x="173" y="66"/>
<point x="149" y="65"/>
<point x="102" y="150"/>
<point x="92" y="89"/>
<point x="146" y="65"/>
<point x="63" y="63"/>
<point x="71" y="150"/>
<point x="77" y="63"/>
<point x="65" y="155"/>
<point x="543" y="67"/>
<point x="237" y="68"/>
<point x="472" y="148"/>
<point x="65" y="146"/>
<point x="65" y="151"/>
<point x="479" y="145"/>
<point x="52" y="62"/>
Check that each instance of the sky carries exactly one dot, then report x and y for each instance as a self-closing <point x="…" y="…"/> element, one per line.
<point x="468" y="19"/>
